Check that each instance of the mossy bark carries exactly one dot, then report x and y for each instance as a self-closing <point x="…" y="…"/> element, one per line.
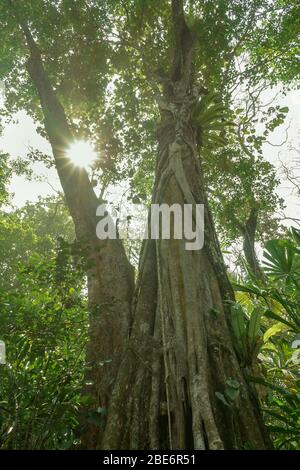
<point x="180" y="353"/>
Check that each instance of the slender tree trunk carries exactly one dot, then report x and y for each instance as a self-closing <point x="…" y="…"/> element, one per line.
<point x="180" y="358"/>
<point x="248" y="231"/>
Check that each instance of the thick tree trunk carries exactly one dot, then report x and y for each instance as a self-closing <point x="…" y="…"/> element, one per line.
<point x="180" y="357"/>
<point x="180" y="352"/>
<point x="110" y="275"/>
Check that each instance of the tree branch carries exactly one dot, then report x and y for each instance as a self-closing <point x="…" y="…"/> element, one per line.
<point x="182" y="56"/>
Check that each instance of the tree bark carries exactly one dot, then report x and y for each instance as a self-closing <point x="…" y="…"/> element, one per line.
<point x="180" y="356"/>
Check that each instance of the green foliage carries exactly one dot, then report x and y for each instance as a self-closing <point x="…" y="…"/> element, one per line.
<point x="231" y="392"/>
<point x="282" y="261"/>
<point x="211" y="119"/>
<point x="274" y="45"/>
<point x="277" y="299"/>
<point x="8" y="168"/>
<point x="43" y="322"/>
<point x="33" y="229"/>
<point x="102" y="58"/>
<point x="44" y="325"/>
<point x="4" y="178"/>
<point x="247" y="333"/>
<point x="282" y="411"/>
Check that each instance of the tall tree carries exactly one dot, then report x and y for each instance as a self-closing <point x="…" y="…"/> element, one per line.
<point x="181" y="335"/>
<point x="110" y="277"/>
<point x="179" y="361"/>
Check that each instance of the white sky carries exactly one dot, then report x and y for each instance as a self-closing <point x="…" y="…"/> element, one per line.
<point x="289" y="132"/>
<point x="20" y="135"/>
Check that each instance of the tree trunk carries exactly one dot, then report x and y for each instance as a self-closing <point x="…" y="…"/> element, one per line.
<point x="180" y="359"/>
<point x="248" y="232"/>
<point x="180" y="352"/>
<point x="110" y="275"/>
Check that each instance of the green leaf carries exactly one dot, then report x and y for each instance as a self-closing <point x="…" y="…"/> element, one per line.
<point x="274" y="316"/>
<point x="273" y="330"/>
<point x="238" y="321"/>
<point x="232" y="393"/>
<point x="221" y="397"/>
<point x="253" y="326"/>
<point x="233" y="383"/>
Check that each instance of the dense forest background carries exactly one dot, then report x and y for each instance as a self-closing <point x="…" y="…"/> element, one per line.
<point x="131" y="344"/>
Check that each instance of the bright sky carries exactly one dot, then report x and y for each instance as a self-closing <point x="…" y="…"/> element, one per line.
<point x="18" y="137"/>
<point x="289" y="133"/>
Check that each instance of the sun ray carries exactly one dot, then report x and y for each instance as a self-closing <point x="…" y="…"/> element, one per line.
<point x="81" y="153"/>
